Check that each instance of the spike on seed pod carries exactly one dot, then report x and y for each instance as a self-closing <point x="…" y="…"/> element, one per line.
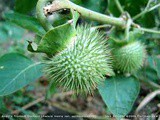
<point x="83" y="64"/>
<point x="129" y="57"/>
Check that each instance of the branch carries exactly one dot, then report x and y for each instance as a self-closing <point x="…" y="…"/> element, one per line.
<point x="147" y="99"/>
<point x="40" y="15"/>
<point x="145" y="29"/>
<point x="86" y="13"/>
<point x="148" y="4"/>
<point x="129" y="22"/>
<point x="149" y="30"/>
<point x="119" y="6"/>
<point x="146" y="11"/>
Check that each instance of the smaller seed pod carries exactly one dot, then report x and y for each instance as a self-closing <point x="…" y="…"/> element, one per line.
<point x="128" y="57"/>
<point x="83" y="64"/>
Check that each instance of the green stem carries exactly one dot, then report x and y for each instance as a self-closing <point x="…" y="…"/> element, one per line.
<point x="129" y="22"/>
<point x="86" y="13"/>
<point x="148" y="4"/>
<point x="145" y="29"/>
<point x="40" y="14"/>
<point x="145" y="11"/>
<point x="119" y="6"/>
<point x="102" y="26"/>
<point x="149" y="30"/>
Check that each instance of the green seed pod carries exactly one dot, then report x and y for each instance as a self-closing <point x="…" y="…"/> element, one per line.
<point x="128" y="57"/>
<point x="83" y="64"/>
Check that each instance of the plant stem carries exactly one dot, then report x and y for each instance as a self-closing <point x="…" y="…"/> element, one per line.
<point x="102" y="26"/>
<point x="40" y="15"/>
<point x="86" y="13"/>
<point x="149" y="30"/>
<point x="119" y="6"/>
<point x="145" y="11"/>
<point x="129" y="22"/>
<point x="148" y="4"/>
<point x="145" y="29"/>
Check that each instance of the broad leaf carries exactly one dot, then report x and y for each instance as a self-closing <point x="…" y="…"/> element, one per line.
<point x="55" y="40"/>
<point x="119" y="93"/>
<point x="25" y="21"/>
<point x="17" y="71"/>
<point x="9" y="31"/>
<point x="25" y="6"/>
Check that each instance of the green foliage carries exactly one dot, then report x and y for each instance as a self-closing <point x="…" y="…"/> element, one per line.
<point x="119" y="93"/>
<point x="8" y="31"/>
<point x="25" y="6"/>
<point x="82" y="65"/>
<point x="21" y="70"/>
<point x="55" y="40"/>
<point x="25" y="21"/>
<point x="134" y="8"/>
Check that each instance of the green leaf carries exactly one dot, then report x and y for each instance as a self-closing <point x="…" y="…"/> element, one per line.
<point x="25" y="21"/>
<point x="56" y="39"/>
<point x="75" y="16"/>
<point x="17" y="71"/>
<point x="25" y="6"/>
<point x="119" y="94"/>
<point x="9" y="31"/>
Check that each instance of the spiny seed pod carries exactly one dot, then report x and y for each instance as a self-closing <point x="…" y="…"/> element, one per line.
<point x="82" y="65"/>
<point x="129" y="57"/>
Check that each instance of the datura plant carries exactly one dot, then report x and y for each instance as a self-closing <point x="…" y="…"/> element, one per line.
<point x="79" y="56"/>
